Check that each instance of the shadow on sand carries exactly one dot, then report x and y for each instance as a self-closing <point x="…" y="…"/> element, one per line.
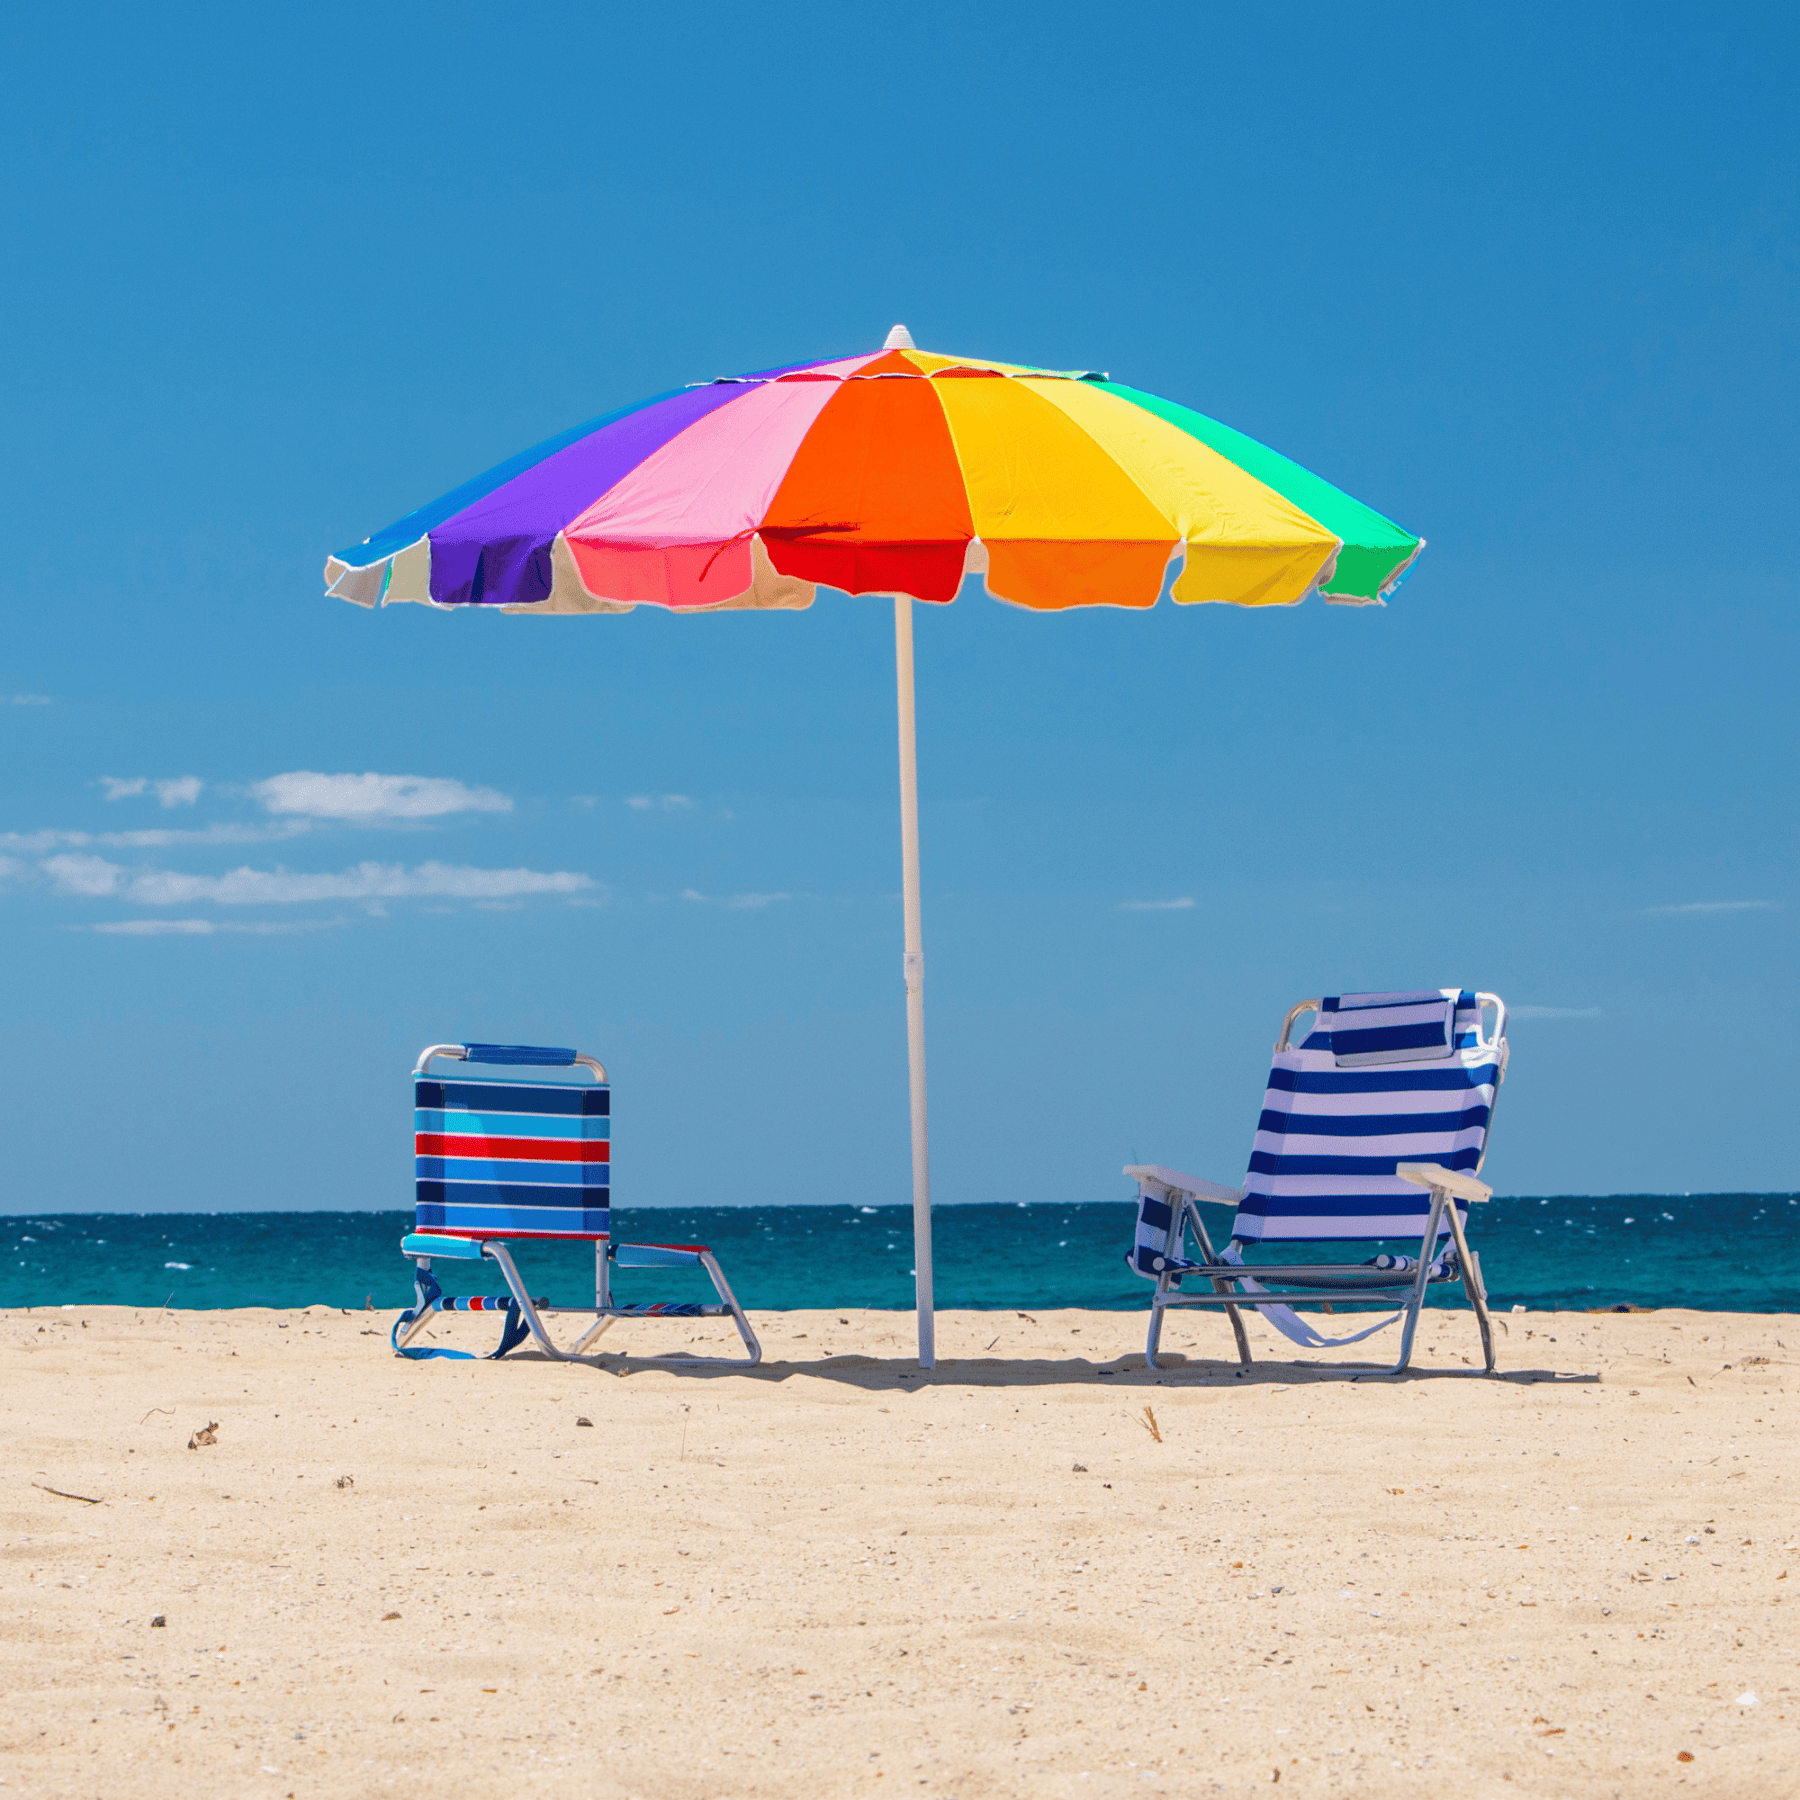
<point x="886" y="1374"/>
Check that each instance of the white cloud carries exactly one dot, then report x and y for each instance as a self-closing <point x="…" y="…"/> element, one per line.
<point x="1180" y="905"/>
<point x="367" y="881"/>
<point x="1554" y="1012"/>
<point x="374" y="797"/>
<point x="203" y="928"/>
<point x="177" y="790"/>
<point x="743" y="902"/>
<point x="93" y="876"/>
<point x="157" y="928"/>
<point x="26" y="699"/>
<point x="87" y="875"/>
<point x="1718" y="906"/>
<point x="668" y="802"/>
<point x="156" y="838"/>
<point x="207" y="834"/>
<point x="183" y="790"/>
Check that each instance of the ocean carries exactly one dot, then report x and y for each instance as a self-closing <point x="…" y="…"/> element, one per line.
<point x="1722" y="1252"/>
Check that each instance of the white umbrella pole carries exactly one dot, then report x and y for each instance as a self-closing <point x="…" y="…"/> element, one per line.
<point x="915" y="980"/>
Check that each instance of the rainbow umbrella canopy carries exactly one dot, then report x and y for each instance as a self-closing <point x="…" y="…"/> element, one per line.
<point x="898" y="472"/>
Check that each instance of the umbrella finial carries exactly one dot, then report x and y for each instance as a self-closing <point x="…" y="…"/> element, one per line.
<point x="899" y="339"/>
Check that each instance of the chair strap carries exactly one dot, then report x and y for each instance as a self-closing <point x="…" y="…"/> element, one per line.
<point x="428" y="1295"/>
<point x="513" y="1333"/>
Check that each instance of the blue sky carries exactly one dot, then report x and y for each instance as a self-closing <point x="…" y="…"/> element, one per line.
<point x="1523" y="281"/>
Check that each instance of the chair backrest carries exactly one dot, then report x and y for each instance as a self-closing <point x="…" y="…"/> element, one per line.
<point x="505" y="1157"/>
<point x="1381" y="1079"/>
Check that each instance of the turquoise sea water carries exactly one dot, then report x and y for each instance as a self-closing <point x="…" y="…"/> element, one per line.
<point x="1725" y="1252"/>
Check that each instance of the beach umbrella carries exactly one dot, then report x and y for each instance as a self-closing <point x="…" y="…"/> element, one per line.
<point x="896" y="472"/>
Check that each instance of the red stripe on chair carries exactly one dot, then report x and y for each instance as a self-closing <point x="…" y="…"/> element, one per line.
<point x="570" y="1150"/>
<point x="486" y="1232"/>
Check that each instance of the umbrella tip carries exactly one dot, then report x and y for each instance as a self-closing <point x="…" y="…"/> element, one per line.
<point x="899" y="339"/>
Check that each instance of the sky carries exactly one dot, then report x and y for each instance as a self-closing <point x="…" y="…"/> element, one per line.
<point x="1525" y="281"/>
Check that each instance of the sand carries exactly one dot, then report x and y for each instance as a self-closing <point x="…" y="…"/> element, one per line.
<point x="835" y="1576"/>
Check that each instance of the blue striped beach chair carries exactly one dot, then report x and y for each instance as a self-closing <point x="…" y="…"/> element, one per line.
<point x="502" y="1158"/>
<point x="1372" y="1130"/>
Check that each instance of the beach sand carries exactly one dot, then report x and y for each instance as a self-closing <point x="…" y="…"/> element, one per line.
<point x="836" y="1576"/>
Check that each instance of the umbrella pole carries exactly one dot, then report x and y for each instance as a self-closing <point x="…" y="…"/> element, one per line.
<point x="915" y="981"/>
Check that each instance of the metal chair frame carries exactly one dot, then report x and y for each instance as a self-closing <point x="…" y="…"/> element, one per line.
<point x="423" y="1247"/>
<point x="1235" y="1283"/>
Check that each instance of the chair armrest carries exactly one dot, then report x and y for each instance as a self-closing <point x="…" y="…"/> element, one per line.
<point x="1185" y="1184"/>
<point x="423" y="1244"/>
<point x="658" y="1256"/>
<point x="1435" y="1175"/>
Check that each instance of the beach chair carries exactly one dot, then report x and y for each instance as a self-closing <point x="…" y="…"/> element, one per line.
<point x="1372" y="1130"/>
<point x="503" y="1158"/>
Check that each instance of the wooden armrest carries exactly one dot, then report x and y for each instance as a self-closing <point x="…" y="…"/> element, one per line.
<point x="1185" y="1184"/>
<point x="1435" y="1175"/>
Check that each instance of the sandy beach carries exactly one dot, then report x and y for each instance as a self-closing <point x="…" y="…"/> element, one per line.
<point x="836" y="1576"/>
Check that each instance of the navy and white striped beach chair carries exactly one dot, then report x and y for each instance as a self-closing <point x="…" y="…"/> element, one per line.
<point x="503" y="1157"/>
<point x="1372" y="1130"/>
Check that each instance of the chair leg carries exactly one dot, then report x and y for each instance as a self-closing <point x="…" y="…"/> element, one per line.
<point x="602" y="1296"/>
<point x="1236" y="1315"/>
<point x="1173" y="1245"/>
<point x="1474" y="1287"/>
<point x="1406" y="1334"/>
<point x="498" y="1253"/>
<point x="1427" y="1248"/>
<point x="405" y="1336"/>
<point x="1157" y="1309"/>
<point x="422" y="1303"/>
<point x="722" y="1288"/>
<point x="595" y="1331"/>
